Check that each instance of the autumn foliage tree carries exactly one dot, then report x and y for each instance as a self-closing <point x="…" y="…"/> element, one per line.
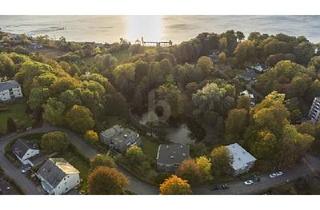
<point x="175" y="186"/>
<point x="91" y="136"/>
<point x="106" y="181"/>
<point x="271" y="137"/>
<point x="190" y="171"/>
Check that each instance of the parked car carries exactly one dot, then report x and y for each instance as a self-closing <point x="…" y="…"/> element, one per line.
<point x="248" y="182"/>
<point x="276" y="174"/>
<point x="219" y="187"/>
<point x="279" y="173"/>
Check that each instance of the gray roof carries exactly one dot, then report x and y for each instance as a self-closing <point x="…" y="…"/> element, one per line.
<point x="172" y="153"/>
<point x="8" y="85"/>
<point x="119" y="136"/>
<point x="20" y="147"/>
<point x="55" y="169"/>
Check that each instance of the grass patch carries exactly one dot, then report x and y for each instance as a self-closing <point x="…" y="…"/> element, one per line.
<point x="149" y="146"/>
<point x="17" y="112"/>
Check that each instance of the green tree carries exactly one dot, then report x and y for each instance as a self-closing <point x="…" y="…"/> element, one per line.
<point x="175" y="186"/>
<point x="54" y="112"/>
<point x="106" y="181"/>
<point x="79" y="118"/>
<point x="55" y="141"/>
<point x="243" y="102"/>
<point x="173" y="96"/>
<point x="245" y="52"/>
<point x="124" y="75"/>
<point x="304" y="52"/>
<point x="236" y="124"/>
<point x="205" y="64"/>
<point x="70" y="98"/>
<point x="7" y="66"/>
<point x="38" y="96"/>
<point x="221" y="161"/>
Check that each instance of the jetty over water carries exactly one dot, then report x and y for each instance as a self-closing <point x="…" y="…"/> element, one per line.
<point x="155" y="43"/>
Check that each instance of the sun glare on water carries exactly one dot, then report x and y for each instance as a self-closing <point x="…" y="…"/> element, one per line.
<point x="148" y="27"/>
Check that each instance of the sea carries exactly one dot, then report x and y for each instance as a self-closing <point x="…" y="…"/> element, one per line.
<point x="109" y="29"/>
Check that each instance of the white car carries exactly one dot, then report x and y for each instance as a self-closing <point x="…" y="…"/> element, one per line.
<point x="276" y="174"/>
<point x="273" y="175"/>
<point x="248" y="182"/>
<point x="279" y="173"/>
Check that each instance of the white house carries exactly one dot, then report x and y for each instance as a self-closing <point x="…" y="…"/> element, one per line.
<point x="242" y="160"/>
<point x="25" y="150"/>
<point x="10" y="90"/>
<point x="57" y="176"/>
<point x="314" y="113"/>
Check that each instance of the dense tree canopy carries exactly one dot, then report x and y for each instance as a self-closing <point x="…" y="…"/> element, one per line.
<point x="55" y="141"/>
<point x="221" y="161"/>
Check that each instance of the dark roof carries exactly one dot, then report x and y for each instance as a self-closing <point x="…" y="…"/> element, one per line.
<point x="55" y="169"/>
<point x="8" y="85"/>
<point x="119" y="136"/>
<point x="21" y="146"/>
<point x="172" y="153"/>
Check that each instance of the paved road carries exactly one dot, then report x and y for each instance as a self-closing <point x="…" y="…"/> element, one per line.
<point x="309" y="165"/>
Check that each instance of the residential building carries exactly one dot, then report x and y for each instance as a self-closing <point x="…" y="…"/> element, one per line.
<point x="10" y="90"/>
<point x="314" y="113"/>
<point x="242" y="160"/>
<point x="249" y="95"/>
<point x="170" y="156"/>
<point x="119" y="138"/>
<point x="24" y="150"/>
<point x="258" y="68"/>
<point x="57" y="176"/>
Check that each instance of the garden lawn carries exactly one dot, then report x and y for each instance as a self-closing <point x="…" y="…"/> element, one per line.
<point x="149" y="146"/>
<point x="17" y="112"/>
